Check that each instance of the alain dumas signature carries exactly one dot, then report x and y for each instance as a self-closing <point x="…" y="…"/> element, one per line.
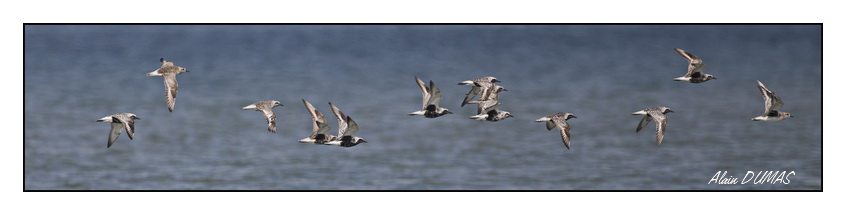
<point x="752" y="177"/>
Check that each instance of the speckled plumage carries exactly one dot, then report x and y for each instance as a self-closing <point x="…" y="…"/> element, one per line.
<point x="119" y="121"/>
<point x="695" y="69"/>
<point x="656" y="114"/>
<point x="772" y="106"/>
<point x="168" y="71"/>
<point x="266" y="108"/>
<point x="559" y="120"/>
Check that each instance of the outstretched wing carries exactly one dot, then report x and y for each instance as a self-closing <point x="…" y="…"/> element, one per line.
<point x="170" y="90"/>
<point x="316" y="117"/>
<point x="270" y="116"/>
<point x="114" y="133"/>
<point x="660" y="126"/>
<point x="352" y="127"/>
<point x="128" y="124"/>
<point x="643" y="123"/>
<point x="564" y="128"/>
<point x="473" y="92"/>
<point x="692" y="59"/>
<point x="434" y="95"/>
<point x="424" y="90"/>
<point x="319" y="124"/>
<point x="777" y="103"/>
<point x="342" y="124"/>
<point x="771" y="101"/>
<point x="695" y="66"/>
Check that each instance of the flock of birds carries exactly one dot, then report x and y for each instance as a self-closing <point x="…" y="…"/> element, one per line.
<point x="487" y="107"/>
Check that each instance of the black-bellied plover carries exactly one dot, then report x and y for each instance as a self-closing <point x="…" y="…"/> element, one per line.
<point x="120" y="121"/>
<point x="346" y="130"/>
<point x="658" y="115"/>
<point x="319" y="127"/>
<point x="487" y="111"/>
<point x="559" y="120"/>
<point x="266" y="107"/>
<point x="772" y="106"/>
<point x="478" y="85"/>
<point x="168" y="71"/>
<point x="491" y="93"/>
<point x="431" y="98"/>
<point x="694" y="69"/>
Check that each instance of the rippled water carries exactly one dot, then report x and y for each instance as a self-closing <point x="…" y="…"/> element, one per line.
<point x="77" y="74"/>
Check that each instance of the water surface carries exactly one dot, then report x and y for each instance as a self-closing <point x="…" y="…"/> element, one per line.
<point x="77" y="74"/>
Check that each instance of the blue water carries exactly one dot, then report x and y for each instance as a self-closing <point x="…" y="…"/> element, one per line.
<point x="77" y="74"/>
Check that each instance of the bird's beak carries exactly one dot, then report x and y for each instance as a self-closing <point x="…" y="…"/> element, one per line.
<point x="668" y="110"/>
<point x="137" y="117"/>
<point x="574" y="116"/>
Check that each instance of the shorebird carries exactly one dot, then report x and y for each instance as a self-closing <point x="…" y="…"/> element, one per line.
<point x="479" y="85"/>
<point x="656" y="114"/>
<point x="694" y="69"/>
<point x="319" y="127"/>
<point x="559" y="120"/>
<point x="431" y="98"/>
<point x="168" y="71"/>
<point x="266" y="107"/>
<point x="772" y="106"/>
<point x="491" y="93"/>
<point x="346" y="130"/>
<point x="487" y="111"/>
<point x="120" y="120"/>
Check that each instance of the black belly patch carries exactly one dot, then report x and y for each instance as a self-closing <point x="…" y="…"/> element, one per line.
<point x="491" y="115"/>
<point x="346" y="141"/>
<point x="430" y="114"/>
<point x="773" y="113"/>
